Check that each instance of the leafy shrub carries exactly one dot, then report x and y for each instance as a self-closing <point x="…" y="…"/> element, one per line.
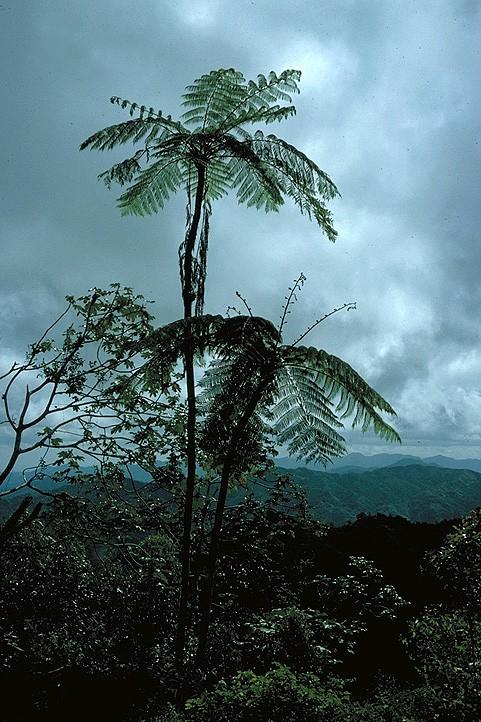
<point x="305" y="640"/>
<point x="359" y="596"/>
<point x="445" y="648"/>
<point x="278" y="696"/>
<point x="458" y="564"/>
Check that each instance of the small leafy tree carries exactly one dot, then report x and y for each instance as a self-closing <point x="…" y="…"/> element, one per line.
<point x="76" y="398"/>
<point x="441" y="645"/>
<point x="85" y="634"/>
<point x="305" y="640"/>
<point x="458" y="564"/>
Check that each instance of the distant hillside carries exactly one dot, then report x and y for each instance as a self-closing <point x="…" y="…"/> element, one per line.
<point x="352" y="461"/>
<point x="416" y="492"/>
<point x="359" y="462"/>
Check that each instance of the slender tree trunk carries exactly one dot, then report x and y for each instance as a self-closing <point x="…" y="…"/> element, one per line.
<point x="188" y="298"/>
<point x="206" y="602"/>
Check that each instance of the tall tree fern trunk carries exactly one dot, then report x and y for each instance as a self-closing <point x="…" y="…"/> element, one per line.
<point x="188" y="298"/>
<point x="206" y="601"/>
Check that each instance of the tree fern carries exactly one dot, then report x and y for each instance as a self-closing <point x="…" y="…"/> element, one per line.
<point x="300" y="394"/>
<point x="206" y="154"/>
<point x="211" y="133"/>
<point x="257" y="388"/>
<point x="305" y="395"/>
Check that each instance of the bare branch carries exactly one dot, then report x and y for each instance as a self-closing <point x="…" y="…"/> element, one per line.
<point x="290" y="299"/>
<point x="249" y="310"/>
<point x="350" y="306"/>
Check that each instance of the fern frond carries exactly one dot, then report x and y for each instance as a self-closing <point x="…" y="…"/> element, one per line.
<point x="123" y="172"/>
<point x="299" y="178"/>
<point x="228" y="388"/>
<point x="303" y="419"/>
<point x="315" y="445"/>
<point x="255" y="183"/>
<point x="153" y="186"/>
<point x="113" y="135"/>
<point x="209" y="97"/>
<point x="133" y="130"/>
<point x="258" y="98"/>
<point x="217" y="178"/>
<point x="314" y="401"/>
<point x="340" y="384"/>
<point x="162" y="120"/>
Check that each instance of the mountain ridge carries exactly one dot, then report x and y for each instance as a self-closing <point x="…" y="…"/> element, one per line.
<point x="384" y="460"/>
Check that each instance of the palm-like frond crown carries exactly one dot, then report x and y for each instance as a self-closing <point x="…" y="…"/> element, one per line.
<point x="303" y="395"/>
<point x="262" y="169"/>
<point x="247" y="337"/>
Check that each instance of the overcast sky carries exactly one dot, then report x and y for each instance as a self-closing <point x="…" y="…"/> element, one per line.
<point x="389" y="107"/>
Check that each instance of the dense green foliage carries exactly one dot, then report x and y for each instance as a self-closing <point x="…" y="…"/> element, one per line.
<point x="303" y="627"/>
<point x="279" y="695"/>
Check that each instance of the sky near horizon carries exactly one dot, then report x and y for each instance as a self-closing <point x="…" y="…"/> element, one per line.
<point x="389" y="108"/>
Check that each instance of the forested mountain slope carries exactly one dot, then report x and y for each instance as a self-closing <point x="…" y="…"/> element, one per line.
<point x="416" y="492"/>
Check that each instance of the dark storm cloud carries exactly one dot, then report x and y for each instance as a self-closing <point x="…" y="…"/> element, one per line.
<point x="389" y="107"/>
